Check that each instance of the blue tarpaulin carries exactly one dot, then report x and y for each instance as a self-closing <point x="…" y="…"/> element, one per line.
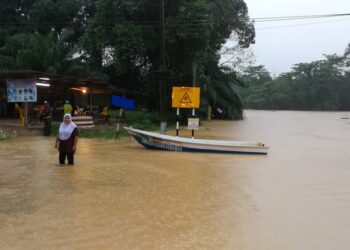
<point x="118" y="101"/>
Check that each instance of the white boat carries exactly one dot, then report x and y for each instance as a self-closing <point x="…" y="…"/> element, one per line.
<point x="151" y="140"/>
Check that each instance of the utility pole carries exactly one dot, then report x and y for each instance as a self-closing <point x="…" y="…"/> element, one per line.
<point x="194" y="85"/>
<point x="162" y="71"/>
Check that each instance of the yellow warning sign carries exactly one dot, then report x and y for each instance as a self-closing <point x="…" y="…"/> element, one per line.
<point x="186" y="97"/>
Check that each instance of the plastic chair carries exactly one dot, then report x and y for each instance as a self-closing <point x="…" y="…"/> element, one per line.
<point x="104" y="114"/>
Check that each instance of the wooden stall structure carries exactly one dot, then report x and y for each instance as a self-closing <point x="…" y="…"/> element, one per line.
<point x="88" y="96"/>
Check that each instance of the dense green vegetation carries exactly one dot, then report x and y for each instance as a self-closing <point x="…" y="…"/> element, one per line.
<point x="319" y="85"/>
<point x="118" y="41"/>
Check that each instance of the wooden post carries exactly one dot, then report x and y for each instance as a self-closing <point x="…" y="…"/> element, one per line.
<point x="117" y="132"/>
<point x="162" y="71"/>
<point x="91" y="99"/>
<point x="26" y="114"/>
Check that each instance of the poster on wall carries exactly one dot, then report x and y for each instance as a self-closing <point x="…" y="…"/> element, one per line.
<point x="21" y="90"/>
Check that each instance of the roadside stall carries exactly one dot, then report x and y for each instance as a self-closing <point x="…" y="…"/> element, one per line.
<point x="23" y="93"/>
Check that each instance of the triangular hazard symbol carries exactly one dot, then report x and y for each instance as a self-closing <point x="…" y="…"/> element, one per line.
<point x="185" y="99"/>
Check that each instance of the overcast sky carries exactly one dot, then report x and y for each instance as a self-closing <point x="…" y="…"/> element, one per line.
<point x="279" y="48"/>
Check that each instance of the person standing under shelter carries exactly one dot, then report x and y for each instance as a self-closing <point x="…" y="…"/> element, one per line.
<point x="67" y="108"/>
<point x="46" y="116"/>
<point x="67" y="140"/>
<point x="3" y="105"/>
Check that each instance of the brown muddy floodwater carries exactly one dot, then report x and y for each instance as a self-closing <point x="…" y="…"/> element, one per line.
<point x="121" y="196"/>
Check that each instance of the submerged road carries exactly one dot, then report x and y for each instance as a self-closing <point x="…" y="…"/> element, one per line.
<point x="121" y="196"/>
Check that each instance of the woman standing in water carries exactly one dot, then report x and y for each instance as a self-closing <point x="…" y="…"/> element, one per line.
<point x="67" y="139"/>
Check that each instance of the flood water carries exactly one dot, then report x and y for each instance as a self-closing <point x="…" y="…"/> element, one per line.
<point x="121" y="196"/>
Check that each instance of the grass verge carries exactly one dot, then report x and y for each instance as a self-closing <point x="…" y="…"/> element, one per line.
<point x="137" y="119"/>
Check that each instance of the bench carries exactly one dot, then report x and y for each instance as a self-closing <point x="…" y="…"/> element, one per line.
<point x="83" y="121"/>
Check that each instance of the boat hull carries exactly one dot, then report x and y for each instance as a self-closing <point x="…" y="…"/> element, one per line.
<point x="175" y="144"/>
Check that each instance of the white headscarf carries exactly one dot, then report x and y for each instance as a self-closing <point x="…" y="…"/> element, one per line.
<point x="66" y="130"/>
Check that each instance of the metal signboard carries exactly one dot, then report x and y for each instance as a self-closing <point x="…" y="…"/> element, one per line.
<point x="21" y="90"/>
<point x="186" y="97"/>
<point x="193" y="123"/>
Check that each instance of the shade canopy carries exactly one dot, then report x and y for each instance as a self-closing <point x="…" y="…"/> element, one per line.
<point x="60" y="85"/>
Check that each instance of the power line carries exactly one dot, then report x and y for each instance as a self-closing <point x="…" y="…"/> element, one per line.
<point x="196" y="31"/>
<point x="193" y="30"/>
<point x="188" y="22"/>
<point x="263" y="19"/>
<point x="300" y="24"/>
<point x="288" y="18"/>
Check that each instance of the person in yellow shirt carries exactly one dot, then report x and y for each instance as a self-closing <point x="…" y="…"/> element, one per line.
<point x="67" y="108"/>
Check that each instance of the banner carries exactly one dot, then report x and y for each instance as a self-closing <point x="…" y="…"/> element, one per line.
<point x="21" y="90"/>
<point x="122" y="102"/>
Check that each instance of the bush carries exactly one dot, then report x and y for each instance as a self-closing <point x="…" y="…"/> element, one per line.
<point x="141" y="116"/>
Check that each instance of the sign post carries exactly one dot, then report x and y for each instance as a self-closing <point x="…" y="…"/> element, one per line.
<point x="177" y="122"/>
<point x="185" y="97"/>
<point x="193" y="115"/>
<point x="122" y="103"/>
<point x="193" y="123"/>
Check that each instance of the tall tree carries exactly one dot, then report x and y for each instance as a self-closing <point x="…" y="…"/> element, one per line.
<point x="319" y="85"/>
<point x="50" y="53"/>
<point x="119" y="41"/>
<point x="128" y="32"/>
